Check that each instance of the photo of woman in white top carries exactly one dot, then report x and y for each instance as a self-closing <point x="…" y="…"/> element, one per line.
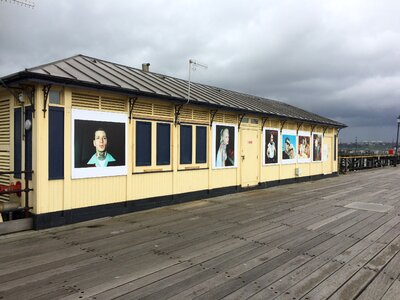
<point x="225" y="154"/>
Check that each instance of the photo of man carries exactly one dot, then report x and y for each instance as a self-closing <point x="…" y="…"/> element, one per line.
<point x="271" y="146"/>
<point x="101" y="158"/>
<point x="98" y="144"/>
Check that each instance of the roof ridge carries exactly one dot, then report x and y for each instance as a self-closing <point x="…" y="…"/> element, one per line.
<point x="51" y="63"/>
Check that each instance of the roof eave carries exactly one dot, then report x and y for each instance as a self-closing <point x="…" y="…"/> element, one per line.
<point x="51" y="79"/>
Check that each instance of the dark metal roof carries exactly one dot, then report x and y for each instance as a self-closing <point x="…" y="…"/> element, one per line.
<point x="87" y="71"/>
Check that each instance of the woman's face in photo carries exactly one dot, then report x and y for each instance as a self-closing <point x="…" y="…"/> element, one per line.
<point x="225" y="136"/>
<point x="271" y="139"/>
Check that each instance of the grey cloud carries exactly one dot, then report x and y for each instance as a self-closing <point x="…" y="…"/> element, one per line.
<point x="336" y="58"/>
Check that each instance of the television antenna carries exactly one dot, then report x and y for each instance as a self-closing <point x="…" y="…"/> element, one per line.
<point x="26" y="3"/>
<point x="193" y="64"/>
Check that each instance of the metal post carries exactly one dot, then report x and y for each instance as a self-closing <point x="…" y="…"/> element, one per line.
<point x="397" y="142"/>
<point x="27" y="195"/>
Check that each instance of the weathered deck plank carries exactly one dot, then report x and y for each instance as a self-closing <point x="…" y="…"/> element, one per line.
<point x="285" y="242"/>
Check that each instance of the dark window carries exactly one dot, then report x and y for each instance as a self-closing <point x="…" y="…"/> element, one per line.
<point x="143" y="143"/>
<point x="201" y="144"/>
<point x="55" y="97"/>
<point x="163" y="143"/>
<point x="17" y="142"/>
<point x="186" y="144"/>
<point x="28" y="144"/>
<point x="56" y="142"/>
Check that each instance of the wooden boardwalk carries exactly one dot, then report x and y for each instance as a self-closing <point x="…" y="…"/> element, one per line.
<point x="290" y="242"/>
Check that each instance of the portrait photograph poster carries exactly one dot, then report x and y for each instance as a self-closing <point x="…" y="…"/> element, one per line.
<point x="325" y="152"/>
<point x="289" y="146"/>
<point x="85" y="123"/>
<point x="271" y="146"/>
<point x="317" y="146"/>
<point x="224" y="148"/>
<point x="303" y="147"/>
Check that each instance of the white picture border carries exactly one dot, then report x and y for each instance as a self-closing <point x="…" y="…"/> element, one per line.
<point x="303" y="160"/>
<point x="278" y="146"/>
<point x="214" y="135"/>
<point x="90" y="115"/>
<point x="293" y="160"/>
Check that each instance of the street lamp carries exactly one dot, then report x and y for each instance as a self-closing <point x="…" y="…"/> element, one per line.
<point x="397" y="140"/>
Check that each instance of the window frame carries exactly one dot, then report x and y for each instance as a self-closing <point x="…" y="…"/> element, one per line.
<point x="194" y="165"/>
<point x="61" y="95"/>
<point x="153" y="167"/>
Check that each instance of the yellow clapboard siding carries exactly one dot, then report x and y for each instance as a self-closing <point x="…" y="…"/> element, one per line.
<point x="113" y="104"/>
<point x="149" y="185"/>
<point x="201" y="115"/>
<point x="223" y="178"/>
<point x="186" y="114"/>
<point x="143" y="108"/>
<point x="163" y="111"/>
<point x="56" y="195"/>
<point x="5" y="128"/>
<point x="189" y="181"/>
<point x="97" y="191"/>
<point x="219" y="117"/>
<point x="316" y="168"/>
<point x="230" y="118"/>
<point x="85" y="100"/>
<point x="270" y="173"/>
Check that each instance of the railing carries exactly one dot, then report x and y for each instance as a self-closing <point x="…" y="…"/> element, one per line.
<point x="354" y="163"/>
<point x="13" y="206"/>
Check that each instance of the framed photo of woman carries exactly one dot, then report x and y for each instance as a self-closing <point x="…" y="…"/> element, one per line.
<point x="317" y="147"/>
<point x="289" y="146"/>
<point x="224" y="146"/>
<point x="303" y="147"/>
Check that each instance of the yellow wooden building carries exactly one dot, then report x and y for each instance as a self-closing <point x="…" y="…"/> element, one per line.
<point x="104" y="139"/>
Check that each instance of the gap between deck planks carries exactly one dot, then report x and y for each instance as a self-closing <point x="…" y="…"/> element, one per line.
<point x="285" y="242"/>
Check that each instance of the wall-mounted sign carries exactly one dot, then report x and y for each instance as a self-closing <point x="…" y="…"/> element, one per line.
<point x="289" y="148"/>
<point x="317" y="146"/>
<point x="303" y="147"/>
<point x="99" y="144"/>
<point x="224" y="145"/>
<point x="271" y="146"/>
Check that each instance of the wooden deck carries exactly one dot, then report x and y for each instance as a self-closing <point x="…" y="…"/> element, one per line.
<point x="290" y="242"/>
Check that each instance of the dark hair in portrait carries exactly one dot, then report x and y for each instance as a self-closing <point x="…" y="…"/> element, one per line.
<point x="271" y="147"/>
<point x="224" y="146"/>
<point x="85" y="135"/>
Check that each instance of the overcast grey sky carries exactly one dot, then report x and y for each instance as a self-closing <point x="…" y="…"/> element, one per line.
<point x="339" y="59"/>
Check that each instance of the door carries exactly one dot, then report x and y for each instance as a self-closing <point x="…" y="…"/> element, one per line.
<point x="327" y="155"/>
<point x="249" y="157"/>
